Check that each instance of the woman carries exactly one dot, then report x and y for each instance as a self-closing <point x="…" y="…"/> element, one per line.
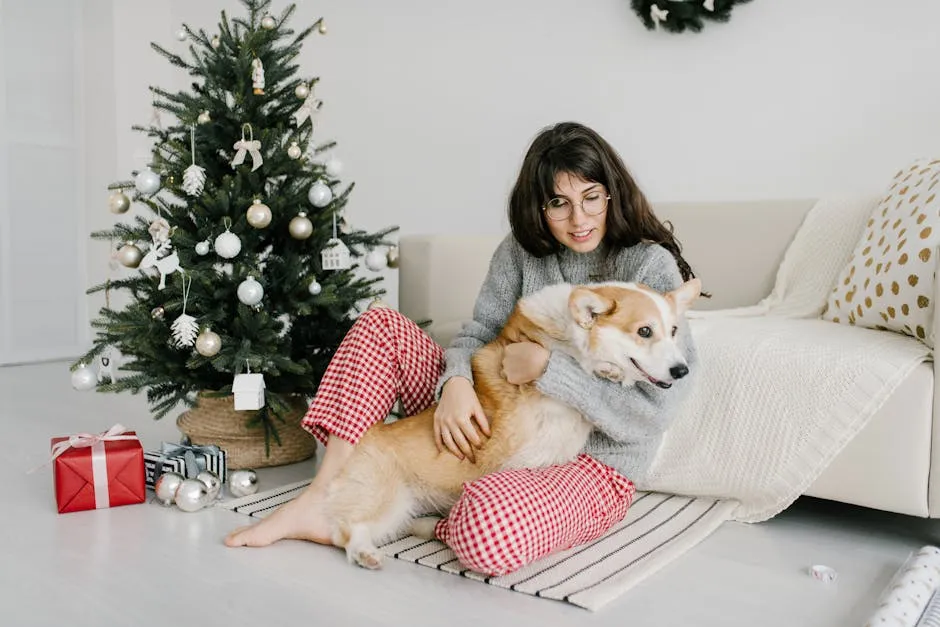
<point x="577" y="216"/>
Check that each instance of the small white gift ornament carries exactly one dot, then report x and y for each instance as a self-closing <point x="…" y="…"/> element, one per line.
<point x="249" y="391"/>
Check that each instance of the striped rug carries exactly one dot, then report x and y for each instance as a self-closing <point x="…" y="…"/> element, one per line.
<point x="658" y="529"/>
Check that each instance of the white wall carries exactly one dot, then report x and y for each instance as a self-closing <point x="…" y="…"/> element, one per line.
<point x="434" y="103"/>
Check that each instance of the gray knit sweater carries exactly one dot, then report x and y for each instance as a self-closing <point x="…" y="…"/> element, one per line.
<point x="629" y="421"/>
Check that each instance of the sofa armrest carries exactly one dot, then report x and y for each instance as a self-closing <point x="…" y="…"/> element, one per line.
<point x="933" y="487"/>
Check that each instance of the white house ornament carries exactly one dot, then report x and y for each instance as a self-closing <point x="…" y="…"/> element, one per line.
<point x="208" y="343"/>
<point x="336" y="255"/>
<point x="258" y="214"/>
<point x="248" y="390"/>
<point x="257" y="77"/>
<point x="227" y="245"/>
<point x="244" y="147"/>
<point x="319" y="194"/>
<point x="147" y="182"/>
<point x="294" y="151"/>
<point x="84" y="378"/>
<point x="118" y="202"/>
<point x="300" y="226"/>
<point x="250" y="292"/>
<point x="129" y="255"/>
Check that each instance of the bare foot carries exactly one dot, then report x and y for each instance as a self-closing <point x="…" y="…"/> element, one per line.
<point x="300" y="519"/>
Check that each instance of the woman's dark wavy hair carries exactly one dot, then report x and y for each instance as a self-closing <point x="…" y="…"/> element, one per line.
<point x="569" y="147"/>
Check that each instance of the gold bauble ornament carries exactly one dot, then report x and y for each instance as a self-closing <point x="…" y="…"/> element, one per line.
<point x="322" y="27"/>
<point x="208" y="343"/>
<point x="302" y="91"/>
<point x="268" y="23"/>
<point x="118" y="202"/>
<point x="215" y="43"/>
<point x="392" y="257"/>
<point x="204" y="118"/>
<point x="130" y="256"/>
<point x="300" y="227"/>
<point x="258" y="214"/>
<point x="294" y="151"/>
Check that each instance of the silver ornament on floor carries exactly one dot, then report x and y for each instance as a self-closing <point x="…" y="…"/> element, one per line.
<point x="300" y="226"/>
<point x="242" y="482"/>
<point x="130" y="256"/>
<point x="208" y="343"/>
<point x="166" y="486"/>
<point x="213" y="483"/>
<point x="84" y="378"/>
<point x="118" y="202"/>
<point x="258" y="214"/>
<point x="250" y="292"/>
<point x="192" y="495"/>
<point x="147" y="181"/>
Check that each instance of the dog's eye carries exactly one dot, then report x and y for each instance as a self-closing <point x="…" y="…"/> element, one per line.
<point x="644" y="332"/>
<point x="674" y="331"/>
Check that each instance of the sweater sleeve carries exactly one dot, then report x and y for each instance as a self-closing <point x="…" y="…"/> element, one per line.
<point x="501" y="288"/>
<point x="625" y="414"/>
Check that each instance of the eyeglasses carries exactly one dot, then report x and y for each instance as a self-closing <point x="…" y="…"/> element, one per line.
<point x="560" y="208"/>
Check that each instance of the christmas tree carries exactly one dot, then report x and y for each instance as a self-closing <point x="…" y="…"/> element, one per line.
<point x="243" y="262"/>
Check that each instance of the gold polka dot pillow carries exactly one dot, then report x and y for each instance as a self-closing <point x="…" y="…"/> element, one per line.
<point x="888" y="283"/>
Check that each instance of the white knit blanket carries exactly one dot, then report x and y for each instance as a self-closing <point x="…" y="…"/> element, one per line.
<point x="779" y="391"/>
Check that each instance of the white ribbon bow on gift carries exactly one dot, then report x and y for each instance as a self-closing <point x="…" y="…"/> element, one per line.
<point x="83" y="440"/>
<point x="250" y="146"/>
<point x="306" y="111"/>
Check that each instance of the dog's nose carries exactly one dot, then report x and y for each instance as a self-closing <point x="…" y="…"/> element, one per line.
<point x="679" y="371"/>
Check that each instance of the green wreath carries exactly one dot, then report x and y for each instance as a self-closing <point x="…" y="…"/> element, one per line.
<point x="678" y="15"/>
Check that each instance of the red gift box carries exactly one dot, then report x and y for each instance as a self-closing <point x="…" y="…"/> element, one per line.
<point x="96" y="471"/>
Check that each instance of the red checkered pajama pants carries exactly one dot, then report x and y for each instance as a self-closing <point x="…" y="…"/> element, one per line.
<point x="501" y="521"/>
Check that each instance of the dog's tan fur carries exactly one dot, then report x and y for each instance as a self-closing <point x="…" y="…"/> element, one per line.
<point x="396" y="471"/>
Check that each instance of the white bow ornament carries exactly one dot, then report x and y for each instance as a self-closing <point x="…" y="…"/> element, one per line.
<point x="250" y="146"/>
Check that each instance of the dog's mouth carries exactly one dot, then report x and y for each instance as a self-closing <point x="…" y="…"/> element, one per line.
<point x="662" y="384"/>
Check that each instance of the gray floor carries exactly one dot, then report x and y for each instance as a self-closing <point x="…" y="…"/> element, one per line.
<point x="145" y="565"/>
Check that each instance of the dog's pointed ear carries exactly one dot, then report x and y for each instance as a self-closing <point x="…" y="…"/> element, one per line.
<point x="586" y="305"/>
<point x="684" y="295"/>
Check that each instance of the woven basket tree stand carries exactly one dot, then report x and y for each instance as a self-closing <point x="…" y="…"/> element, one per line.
<point x="214" y="421"/>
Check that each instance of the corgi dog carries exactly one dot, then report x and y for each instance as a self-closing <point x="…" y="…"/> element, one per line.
<point x="624" y="332"/>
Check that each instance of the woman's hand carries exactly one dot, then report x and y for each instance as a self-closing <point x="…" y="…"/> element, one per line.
<point x="524" y="362"/>
<point x="454" y="426"/>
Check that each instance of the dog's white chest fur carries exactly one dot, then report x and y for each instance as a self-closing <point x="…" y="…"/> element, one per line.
<point x="554" y="433"/>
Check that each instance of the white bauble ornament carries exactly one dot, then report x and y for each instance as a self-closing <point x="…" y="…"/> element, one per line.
<point x="215" y="43"/>
<point x="258" y="214"/>
<point x="314" y="288"/>
<point x="147" y="181"/>
<point x="84" y="378"/>
<point x="202" y="248"/>
<point x="181" y="34"/>
<point x="268" y="23"/>
<point x="213" y="483"/>
<point x="302" y="91"/>
<point x="130" y="256"/>
<point x="227" y="245"/>
<point x="250" y="291"/>
<point x="118" y="202"/>
<point x="192" y="495"/>
<point x="166" y="486"/>
<point x="208" y="343"/>
<point x="334" y="166"/>
<point x="242" y="482"/>
<point x="204" y="118"/>
<point x="300" y="226"/>
<point x="294" y="151"/>
<point x="320" y="194"/>
<point x="376" y="260"/>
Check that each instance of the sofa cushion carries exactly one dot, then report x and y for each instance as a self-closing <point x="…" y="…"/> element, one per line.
<point x="888" y="282"/>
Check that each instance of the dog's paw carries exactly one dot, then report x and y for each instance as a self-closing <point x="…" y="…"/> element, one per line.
<point x="609" y="371"/>
<point x="424" y="527"/>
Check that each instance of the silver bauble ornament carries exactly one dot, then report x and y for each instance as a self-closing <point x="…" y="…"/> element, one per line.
<point x="376" y="260"/>
<point x="118" y="202"/>
<point x="242" y="482"/>
<point x="314" y="288"/>
<point x="166" y="486"/>
<point x="203" y="118"/>
<point x="208" y="343"/>
<point x="302" y="91"/>
<point x="129" y="256"/>
<point x="258" y="214"/>
<point x="300" y="227"/>
<point x="294" y="151"/>
<point x="334" y="166"/>
<point x="392" y="257"/>
<point x="84" y="378"/>
<point x="147" y="182"/>
<point x="268" y="23"/>
<point x="320" y="194"/>
<point x="202" y="248"/>
<point x="213" y="483"/>
<point x="250" y="291"/>
<point x="215" y="43"/>
<point x="157" y="313"/>
<point x="227" y="245"/>
<point x="192" y="495"/>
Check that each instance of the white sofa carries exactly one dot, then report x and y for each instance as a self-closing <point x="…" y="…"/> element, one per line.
<point x="735" y="248"/>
